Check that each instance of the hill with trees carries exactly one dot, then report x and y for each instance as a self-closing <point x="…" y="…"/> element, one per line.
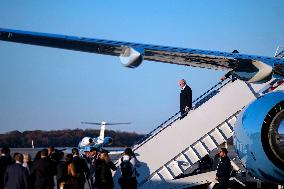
<point x="63" y="138"/>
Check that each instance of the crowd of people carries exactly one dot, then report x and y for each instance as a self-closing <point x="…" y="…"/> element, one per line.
<point x="71" y="171"/>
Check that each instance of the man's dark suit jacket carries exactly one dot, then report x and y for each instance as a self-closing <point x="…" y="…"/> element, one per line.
<point x="223" y="172"/>
<point x="43" y="171"/>
<point x="82" y="168"/>
<point x="5" y="160"/>
<point x="16" y="177"/>
<point x="224" y="168"/>
<point x="185" y="99"/>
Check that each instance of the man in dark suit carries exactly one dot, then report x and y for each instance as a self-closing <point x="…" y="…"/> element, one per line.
<point x="16" y="176"/>
<point x="43" y="172"/>
<point x="62" y="173"/>
<point x="185" y="98"/>
<point x="224" y="169"/>
<point x="81" y="167"/>
<point x="5" y="160"/>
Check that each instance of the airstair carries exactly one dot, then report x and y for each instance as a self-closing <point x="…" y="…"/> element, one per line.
<point x="177" y="144"/>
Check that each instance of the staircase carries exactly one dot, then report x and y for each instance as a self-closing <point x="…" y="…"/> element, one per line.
<point x="177" y="144"/>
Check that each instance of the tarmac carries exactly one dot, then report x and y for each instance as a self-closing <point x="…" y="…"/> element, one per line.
<point x="250" y="182"/>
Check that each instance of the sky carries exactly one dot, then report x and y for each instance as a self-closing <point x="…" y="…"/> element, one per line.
<point x="49" y="89"/>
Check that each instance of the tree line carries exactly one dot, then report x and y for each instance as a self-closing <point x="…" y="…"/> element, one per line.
<point x="64" y="138"/>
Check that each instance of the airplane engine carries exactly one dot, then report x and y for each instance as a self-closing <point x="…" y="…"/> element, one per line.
<point x="86" y="141"/>
<point x="259" y="137"/>
<point x="108" y="141"/>
<point x="131" y="57"/>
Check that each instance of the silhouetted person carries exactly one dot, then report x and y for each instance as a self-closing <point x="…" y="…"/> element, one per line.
<point x="216" y="160"/>
<point x="61" y="170"/>
<point x="5" y="160"/>
<point x="50" y="150"/>
<point x="224" y="169"/>
<point x="43" y="172"/>
<point x="185" y="98"/>
<point x="14" y="155"/>
<point x="81" y="167"/>
<point x="91" y="155"/>
<point x="37" y="156"/>
<point x="103" y="172"/>
<point x="16" y="176"/>
<point x="53" y="154"/>
<point x="69" y="158"/>
<point x="73" y="180"/>
<point x="28" y="164"/>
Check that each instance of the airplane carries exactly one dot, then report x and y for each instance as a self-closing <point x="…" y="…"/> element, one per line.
<point x="258" y="138"/>
<point x="100" y="141"/>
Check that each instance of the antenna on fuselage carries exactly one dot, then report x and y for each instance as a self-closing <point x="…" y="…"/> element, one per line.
<point x="279" y="53"/>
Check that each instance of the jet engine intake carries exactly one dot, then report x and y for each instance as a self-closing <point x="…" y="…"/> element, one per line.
<point x="131" y="57"/>
<point x="259" y="137"/>
<point x="86" y="141"/>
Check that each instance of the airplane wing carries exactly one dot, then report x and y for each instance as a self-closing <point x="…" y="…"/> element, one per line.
<point x="91" y="123"/>
<point x="125" y="123"/>
<point x="245" y="67"/>
<point x="105" y="123"/>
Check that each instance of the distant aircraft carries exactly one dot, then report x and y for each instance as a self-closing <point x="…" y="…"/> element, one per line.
<point x="100" y="141"/>
<point x="258" y="134"/>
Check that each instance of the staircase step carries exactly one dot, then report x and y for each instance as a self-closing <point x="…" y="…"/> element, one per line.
<point x="165" y="174"/>
<point x="226" y="130"/>
<point x="232" y="121"/>
<point x="183" y="162"/>
<point x="191" y="155"/>
<point x="210" y="144"/>
<point x="155" y="178"/>
<point x="188" y="182"/>
<point x="174" y="168"/>
<point x="217" y="136"/>
<point x="200" y="149"/>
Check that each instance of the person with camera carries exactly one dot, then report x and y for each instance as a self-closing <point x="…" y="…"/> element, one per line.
<point x="128" y="164"/>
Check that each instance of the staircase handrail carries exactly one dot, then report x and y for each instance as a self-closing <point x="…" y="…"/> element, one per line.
<point x="161" y="127"/>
